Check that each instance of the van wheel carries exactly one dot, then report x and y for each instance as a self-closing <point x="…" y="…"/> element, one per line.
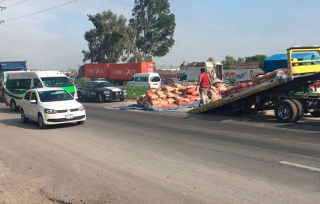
<point x="13" y="105"/>
<point x="41" y="122"/>
<point x="3" y="95"/>
<point x="122" y="99"/>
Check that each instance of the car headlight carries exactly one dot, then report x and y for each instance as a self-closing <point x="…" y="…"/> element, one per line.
<point x="124" y="90"/>
<point x="50" y="111"/>
<point x="106" y="92"/>
<point x="81" y="108"/>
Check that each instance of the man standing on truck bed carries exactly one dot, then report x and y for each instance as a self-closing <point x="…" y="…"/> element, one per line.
<point x="205" y="83"/>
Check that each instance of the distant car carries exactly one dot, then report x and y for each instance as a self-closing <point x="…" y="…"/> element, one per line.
<point x="51" y="106"/>
<point x="169" y="81"/>
<point x="101" y="91"/>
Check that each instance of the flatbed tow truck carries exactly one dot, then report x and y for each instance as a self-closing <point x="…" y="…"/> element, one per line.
<point x="277" y="93"/>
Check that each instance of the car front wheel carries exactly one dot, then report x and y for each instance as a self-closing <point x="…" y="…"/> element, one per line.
<point x="41" y="122"/>
<point x="100" y="98"/>
<point x="24" y="119"/>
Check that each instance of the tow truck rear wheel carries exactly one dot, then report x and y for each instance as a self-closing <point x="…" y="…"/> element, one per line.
<point x="286" y="111"/>
<point x="299" y="108"/>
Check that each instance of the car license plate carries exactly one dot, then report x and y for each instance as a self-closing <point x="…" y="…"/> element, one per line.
<point x="69" y="116"/>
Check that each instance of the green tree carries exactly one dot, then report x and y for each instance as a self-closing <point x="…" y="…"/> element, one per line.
<point x="229" y="62"/>
<point x="155" y="27"/>
<point x="256" y="58"/>
<point x="240" y="60"/>
<point x="138" y="58"/>
<point x="107" y="42"/>
<point x="132" y="41"/>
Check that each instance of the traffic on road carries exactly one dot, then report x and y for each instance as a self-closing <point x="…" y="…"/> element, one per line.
<point x="142" y="156"/>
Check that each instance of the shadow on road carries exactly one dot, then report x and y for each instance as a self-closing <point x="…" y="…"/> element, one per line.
<point x="7" y="110"/>
<point x="307" y="122"/>
<point x="32" y="125"/>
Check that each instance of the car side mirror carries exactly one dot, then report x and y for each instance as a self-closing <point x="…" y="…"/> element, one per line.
<point x="33" y="101"/>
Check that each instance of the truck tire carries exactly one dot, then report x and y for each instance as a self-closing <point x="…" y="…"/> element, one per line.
<point x="286" y="111"/>
<point x="299" y="108"/>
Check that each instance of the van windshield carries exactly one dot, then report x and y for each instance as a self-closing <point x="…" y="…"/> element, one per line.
<point x="155" y="79"/>
<point x="56" y="81"/>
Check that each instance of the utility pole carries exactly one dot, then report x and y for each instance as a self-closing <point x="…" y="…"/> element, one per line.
<point x="1" y="9"/>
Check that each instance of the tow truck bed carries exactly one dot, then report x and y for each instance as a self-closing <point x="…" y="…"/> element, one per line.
<point x="274" y="91"/>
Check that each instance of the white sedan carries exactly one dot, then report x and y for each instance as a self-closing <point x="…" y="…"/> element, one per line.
<point x="51" y="106"/>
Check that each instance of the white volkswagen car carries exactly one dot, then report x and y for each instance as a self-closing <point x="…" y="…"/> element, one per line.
<point x="51" y="106"/>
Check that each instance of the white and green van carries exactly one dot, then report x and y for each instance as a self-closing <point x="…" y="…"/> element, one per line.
<point x="17" y="83"/>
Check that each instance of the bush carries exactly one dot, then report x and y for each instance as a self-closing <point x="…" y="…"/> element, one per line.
<point x="134" y="92"/>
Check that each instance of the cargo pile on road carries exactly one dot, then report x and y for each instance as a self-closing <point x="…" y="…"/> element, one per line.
<point x="170" y="96"/>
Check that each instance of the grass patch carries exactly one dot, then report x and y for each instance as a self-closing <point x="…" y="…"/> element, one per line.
<point x="134" y="92"/>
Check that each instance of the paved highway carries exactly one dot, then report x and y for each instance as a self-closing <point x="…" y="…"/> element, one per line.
<point x="159" y="157"/>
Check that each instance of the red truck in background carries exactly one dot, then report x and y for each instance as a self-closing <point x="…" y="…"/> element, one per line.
<point x="117" y="73"/>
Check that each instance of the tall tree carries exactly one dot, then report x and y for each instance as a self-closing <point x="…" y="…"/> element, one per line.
<point x="155" y="27"/>
<point x="107" y="42"/>
<point x="257" y="58"/>
<point x="240" y="60"/>
<point x="133" y="36"/>
<point x="138" y="58"/>
<point x="229" y="62"/>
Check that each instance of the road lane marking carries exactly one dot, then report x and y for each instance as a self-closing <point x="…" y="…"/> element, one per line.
<point x="300" y="166"/>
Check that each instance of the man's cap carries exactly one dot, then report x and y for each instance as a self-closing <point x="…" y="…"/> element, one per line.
<point x="216" y="80"/>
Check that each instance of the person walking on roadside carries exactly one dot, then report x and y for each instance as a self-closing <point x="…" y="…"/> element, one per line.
<point x="204" y="83"/>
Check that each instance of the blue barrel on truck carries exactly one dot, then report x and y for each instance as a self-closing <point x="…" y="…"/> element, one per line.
<point x="278" y="61"/>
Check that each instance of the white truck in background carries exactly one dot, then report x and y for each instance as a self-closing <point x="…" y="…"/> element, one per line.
<point x="191" y="72"/>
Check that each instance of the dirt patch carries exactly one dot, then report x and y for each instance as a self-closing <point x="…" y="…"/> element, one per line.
<point x="15" y="189"/>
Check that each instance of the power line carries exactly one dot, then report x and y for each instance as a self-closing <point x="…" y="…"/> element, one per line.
<point x="38" y="11"/>
<point x="14" y="4"/>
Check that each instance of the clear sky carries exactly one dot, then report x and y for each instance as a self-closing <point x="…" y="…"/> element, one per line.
<point x="204" y="28"/>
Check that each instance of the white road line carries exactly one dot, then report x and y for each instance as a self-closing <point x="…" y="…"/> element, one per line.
<point x="300" y="166"/>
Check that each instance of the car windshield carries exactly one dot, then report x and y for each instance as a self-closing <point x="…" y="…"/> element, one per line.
<point x="103" y="84"/>
<point x="54" y="95"/>
<point x="56" y="81"/>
